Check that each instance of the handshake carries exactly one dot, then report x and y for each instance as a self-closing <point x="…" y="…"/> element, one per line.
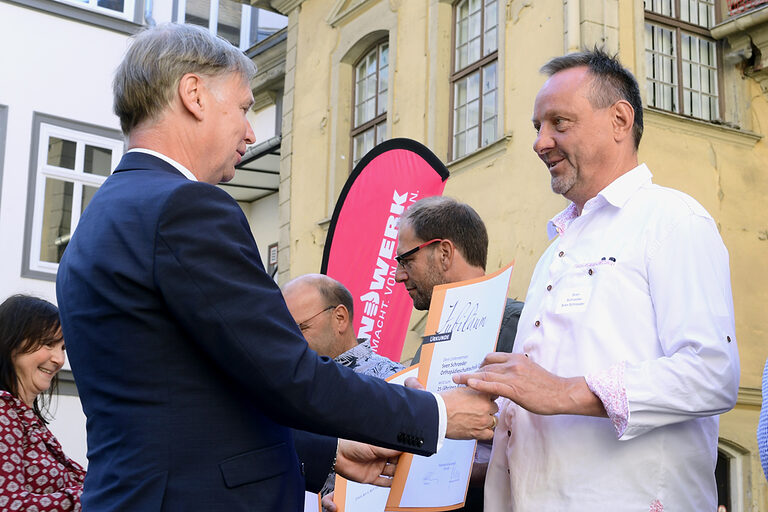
<point x="471" y="414"/>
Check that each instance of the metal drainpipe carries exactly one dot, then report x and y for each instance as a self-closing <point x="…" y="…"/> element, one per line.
<point x="573" y="13"/>
<point x="148" y="19"/>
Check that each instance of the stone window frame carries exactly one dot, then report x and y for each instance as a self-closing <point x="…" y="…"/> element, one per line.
<point x="678" y="26"/>
<point x="43" y="126"/>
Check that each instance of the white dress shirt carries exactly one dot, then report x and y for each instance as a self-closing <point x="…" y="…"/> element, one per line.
<point x="634" y="294"/>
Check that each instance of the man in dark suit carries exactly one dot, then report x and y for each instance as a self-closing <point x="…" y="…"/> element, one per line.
<point x="189" y="366"/>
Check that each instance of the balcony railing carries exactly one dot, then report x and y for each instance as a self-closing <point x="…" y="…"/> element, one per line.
<point x="741" y="6"/>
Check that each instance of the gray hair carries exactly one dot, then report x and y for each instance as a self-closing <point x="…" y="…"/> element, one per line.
<point x="147" y="78"/>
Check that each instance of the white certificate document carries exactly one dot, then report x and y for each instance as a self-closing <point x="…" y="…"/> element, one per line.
<point x="354" y="497"/>
<point x="311" y="502"/>
<point x="462" y="328"/>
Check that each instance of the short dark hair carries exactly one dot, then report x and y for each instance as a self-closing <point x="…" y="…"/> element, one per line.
<point x="446" y="218"/>
<point x="611" y="82"/>
<point x="335" y="293"/>
<point x="26" y="324"/>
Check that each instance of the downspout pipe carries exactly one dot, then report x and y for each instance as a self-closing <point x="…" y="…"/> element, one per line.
<point x="573" y="21"/>
<point x="148" y="19"/>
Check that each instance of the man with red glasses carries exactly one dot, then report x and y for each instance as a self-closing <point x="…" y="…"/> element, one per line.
<point x="444" y="241"/>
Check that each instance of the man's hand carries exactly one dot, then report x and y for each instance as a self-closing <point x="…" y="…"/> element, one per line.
<point x="365" y="463"/>
<point x="328" y="504"/>
<point x="471" y="414"/>
<point x="530" y="386"/>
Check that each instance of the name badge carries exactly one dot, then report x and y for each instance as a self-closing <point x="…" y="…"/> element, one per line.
<point x="573" y="300"/>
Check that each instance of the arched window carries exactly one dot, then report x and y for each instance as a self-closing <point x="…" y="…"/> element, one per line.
<point x="474" y="79"/>
<point x="729" y="475"/>
<point x="369" y="116"/>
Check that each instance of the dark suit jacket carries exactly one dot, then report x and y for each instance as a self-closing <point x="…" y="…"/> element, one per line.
<point x="190" y="367"/>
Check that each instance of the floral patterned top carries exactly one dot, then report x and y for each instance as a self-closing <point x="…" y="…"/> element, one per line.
<point x="35" y="475"/>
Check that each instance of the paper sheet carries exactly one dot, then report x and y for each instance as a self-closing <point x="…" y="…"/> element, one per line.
<point x="462" y="328"/>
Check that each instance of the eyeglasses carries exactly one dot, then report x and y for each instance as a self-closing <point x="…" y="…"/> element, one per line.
<point x="303" y="325"/>
<point x="403" y="258"/>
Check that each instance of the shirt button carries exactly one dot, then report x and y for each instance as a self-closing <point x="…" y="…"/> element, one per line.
<point x="590" y="272"/>
<point x="537" y="323"/>
<point x="561" y="254"/>
<point x="509" y="433"/>
<point x="549" y="287"/>
<point x="728" y="338"/>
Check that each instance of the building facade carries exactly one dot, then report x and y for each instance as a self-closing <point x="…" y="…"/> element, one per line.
<point x="59" y="139"/>
<point x="461" y="77"/>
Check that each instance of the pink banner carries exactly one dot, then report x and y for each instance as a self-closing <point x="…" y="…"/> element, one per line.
<point x="362" y="238"/>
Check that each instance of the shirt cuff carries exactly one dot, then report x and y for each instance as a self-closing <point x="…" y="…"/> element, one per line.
<point x="609" y="387"/>
<point x="442" y="425"/>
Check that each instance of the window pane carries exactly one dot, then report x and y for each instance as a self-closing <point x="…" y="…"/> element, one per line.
<point x="57" y="219"/>
<point x="462" y="32"/>
<point x="371" y="86"/>
<point x="490" y="40"/>
<point x="489" y="78"/>
<point x="460" y="121"/>
<point x="488" y="127"/>
<point x="61" y="153"/>
<point x="358" y="148"/>
<point x="97" y="160"/>
<point x="363" y="143"/>
<point x="664" y="7"/>
<point x="370" y="107"/>
<point x="198" y="12"/>
<point x="88" y="192"/>
<point x="491" y="14"/>
<point x="381" y="133"/>
<point x="474" y="25"/>
<point x="489" y="105"/>
<point x="489" y="131"/>
<point x="474" y="50"/>
<point x="382" y="103"/>
<point x="230" y="18"/>
<point x="473" y="113"/>
<point x="661" y="68"/>
<point x="472" y="142"/>
<point x="698" y="12"/>
<point x="699" y="65"/>
<point x="460" y="97"/>
<point x="462" y="57"/>
<point x="112" y="5"/>
<point x="459" y="145"/>
<point x="473" y="86"/>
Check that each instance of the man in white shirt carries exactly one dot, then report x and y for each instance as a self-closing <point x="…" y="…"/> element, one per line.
<point x="625" y="351"/>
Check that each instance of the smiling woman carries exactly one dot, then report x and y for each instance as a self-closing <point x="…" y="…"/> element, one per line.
<point x="34" y="472"/>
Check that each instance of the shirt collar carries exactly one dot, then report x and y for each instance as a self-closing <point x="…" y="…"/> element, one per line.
<point x="183" y="170"/>
<point x="361" y="351"/>
<point x="617" y="193"/>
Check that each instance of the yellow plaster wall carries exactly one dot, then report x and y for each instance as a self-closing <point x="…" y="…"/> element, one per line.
<point x="724" y="169"/>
